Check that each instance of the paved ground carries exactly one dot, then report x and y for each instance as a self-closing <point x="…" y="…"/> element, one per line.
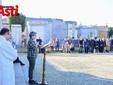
<point x="19" y="74"/>
<point x="74" y="69"/>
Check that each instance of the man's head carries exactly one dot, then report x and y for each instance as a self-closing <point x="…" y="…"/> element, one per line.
<point x="5" y="33"/>
<point x="32" y="35"/>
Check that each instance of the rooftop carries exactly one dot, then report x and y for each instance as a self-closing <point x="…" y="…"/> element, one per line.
<point x="45" y="19"/>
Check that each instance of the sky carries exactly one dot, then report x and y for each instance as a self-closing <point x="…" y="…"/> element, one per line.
<point x="85" y="12"/>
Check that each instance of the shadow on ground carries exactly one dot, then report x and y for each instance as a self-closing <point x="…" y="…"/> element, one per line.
<point x="57" y="77"/>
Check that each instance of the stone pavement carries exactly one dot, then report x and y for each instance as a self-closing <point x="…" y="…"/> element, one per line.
<point x="73" y="69"/>
<point x="19" y="75"/>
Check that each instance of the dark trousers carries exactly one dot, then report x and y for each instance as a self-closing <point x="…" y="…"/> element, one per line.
<point x="32" y="61"/>
<point x="72" y="49"/>
<point x="92" y="49"/>
<point x="17" y="60"/>
<point x="101" y="49"/>
<point x="80" y="49"/>
<point x="86" y="49"/>
<point x="57" y="49"/>
<point x="96" y="49"/>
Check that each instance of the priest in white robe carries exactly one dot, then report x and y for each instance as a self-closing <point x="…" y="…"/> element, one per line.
<point x="7" y="55"/>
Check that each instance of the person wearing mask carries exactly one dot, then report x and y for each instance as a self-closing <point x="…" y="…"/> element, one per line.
<point x="32" y="55"/>
<point x="7" y="55"/>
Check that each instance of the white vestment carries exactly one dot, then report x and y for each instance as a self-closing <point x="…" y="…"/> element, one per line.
<point x="7" y="55"/>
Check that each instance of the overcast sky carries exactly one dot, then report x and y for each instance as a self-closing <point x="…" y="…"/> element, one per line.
<point x="86" y="12"/>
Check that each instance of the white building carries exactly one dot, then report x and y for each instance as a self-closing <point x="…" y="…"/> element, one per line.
<point x="16" y="31"/>
<point x="72" y="30"/>
<point x="47" y="28"/>
<point x="88" y="31"/>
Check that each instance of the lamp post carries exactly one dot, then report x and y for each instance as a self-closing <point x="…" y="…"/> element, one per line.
<point x="0" y="17"/>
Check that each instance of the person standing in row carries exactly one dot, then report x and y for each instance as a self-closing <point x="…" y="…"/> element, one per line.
<point x="32" y="55"/>
<point x="81" y="45"/>
<point x="111" y="43"/>
<point x="86" y="45"/>
<point x="96" y="45"/>
<point x="57" y="45"/>
<point x="92" y="45"/>
<point x="72" y="49"/>
<point x="107" y="45"/>
<point x="101" y="45"/>
<point x="7" y="55"/>
<point x="66" y="45"/>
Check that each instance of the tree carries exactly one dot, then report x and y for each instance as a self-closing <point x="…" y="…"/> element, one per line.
<point x="20" y="19"/>
<point x="110" y="31"/>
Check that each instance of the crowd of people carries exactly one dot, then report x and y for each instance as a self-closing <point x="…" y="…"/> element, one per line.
<point x="9" y="54"/>
<point x="82" y="45"/>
